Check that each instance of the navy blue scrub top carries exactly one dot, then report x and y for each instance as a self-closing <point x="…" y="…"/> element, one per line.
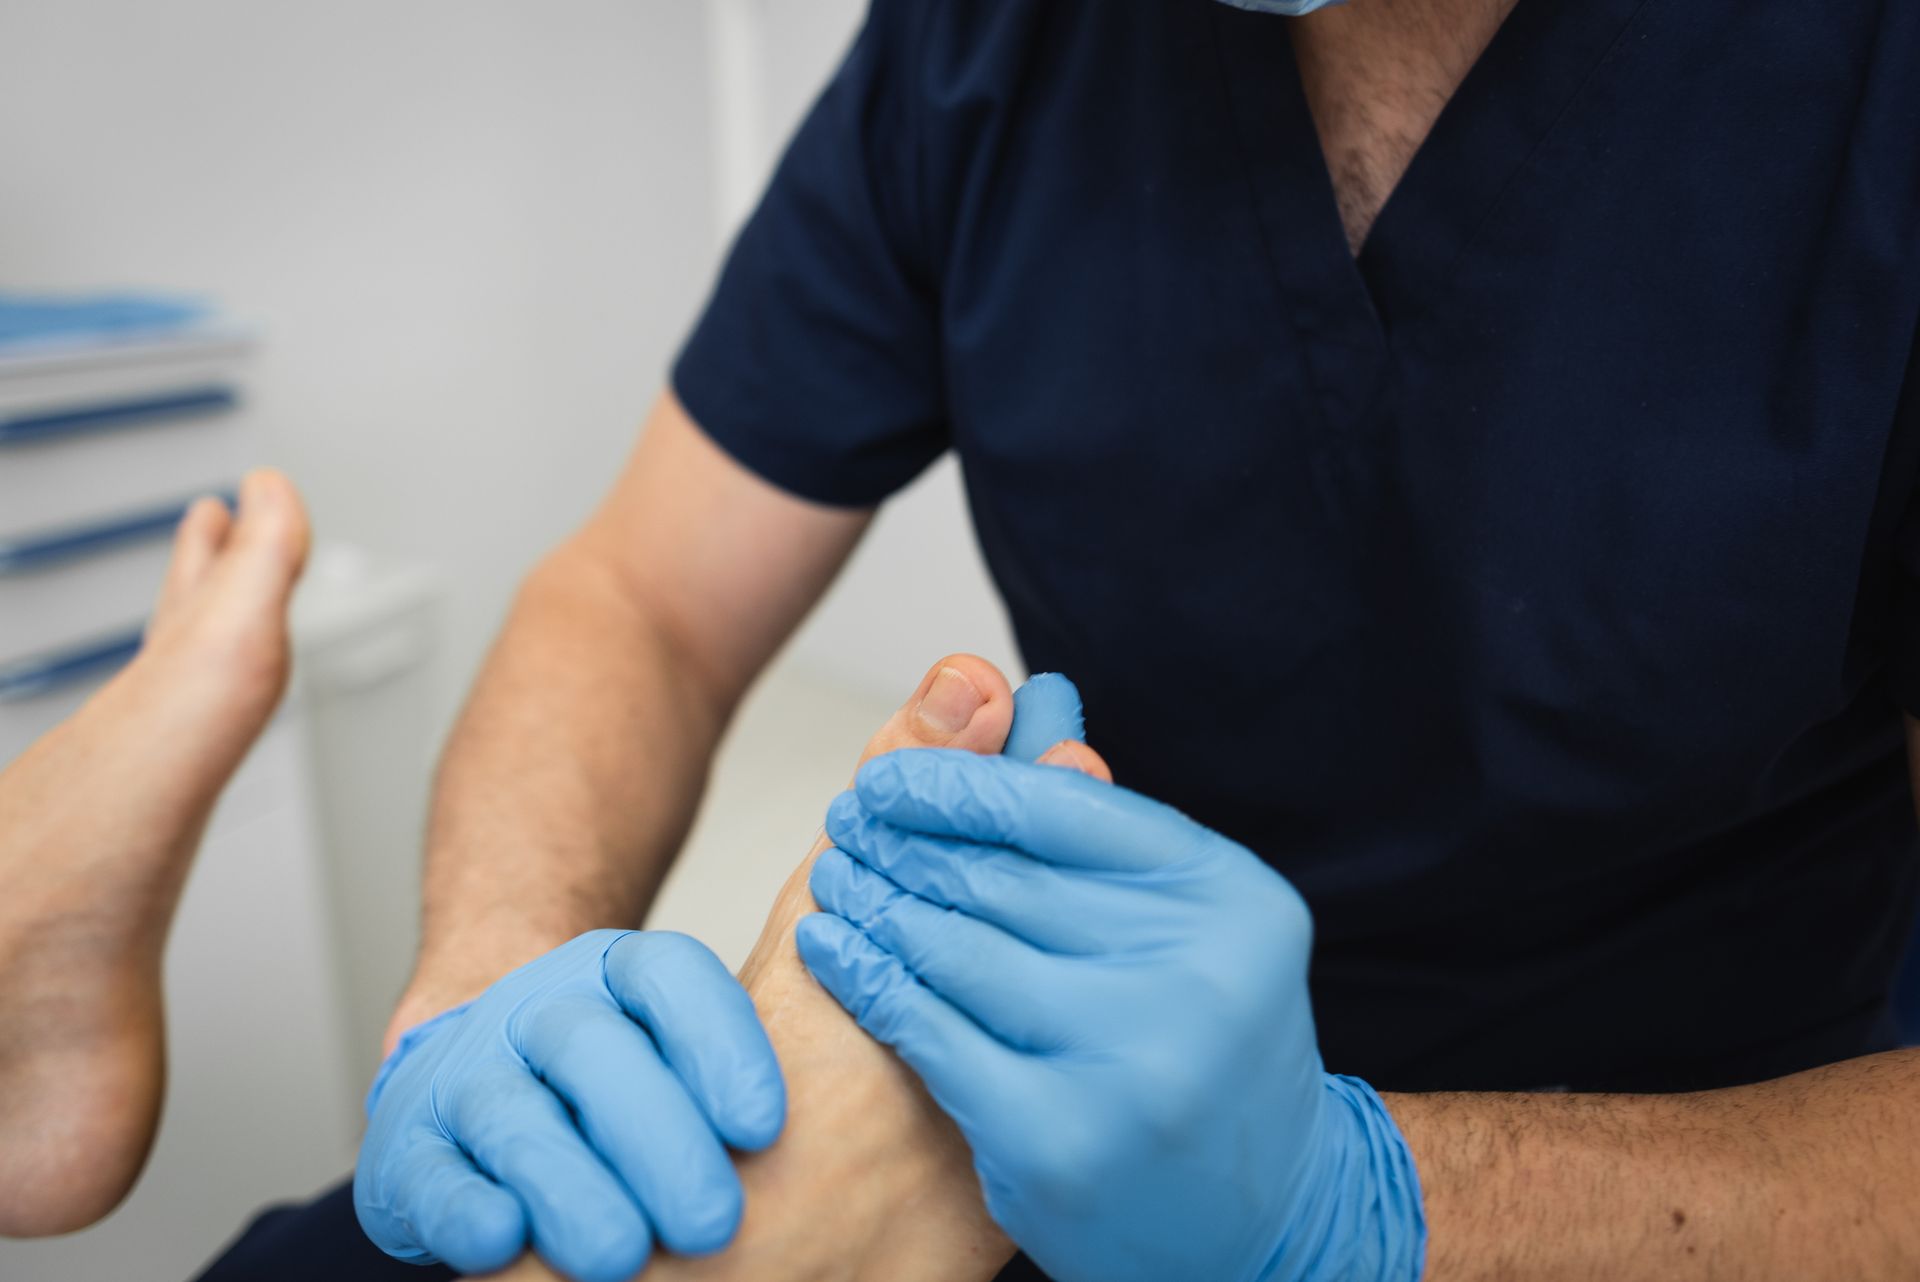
<point x="1536" y="592"/>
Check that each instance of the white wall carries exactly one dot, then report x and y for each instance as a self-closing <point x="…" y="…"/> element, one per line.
<point x="474" y="233"/>
<point x="472" y="229"/>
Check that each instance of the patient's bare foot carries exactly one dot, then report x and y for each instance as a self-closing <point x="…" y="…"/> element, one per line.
<point x="866" y="1158"/>
<point x="98" y="825"/>
<point x="869" y="1180"/>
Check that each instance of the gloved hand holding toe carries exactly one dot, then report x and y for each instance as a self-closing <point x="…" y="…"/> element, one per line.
<point x="584" y="1104"/>
<point x="1110" y="1000"/>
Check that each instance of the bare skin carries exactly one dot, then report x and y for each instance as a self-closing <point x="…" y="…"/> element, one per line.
<point x="815" y="1213"/>
<point x="1377" y="75"/>
<point x="572" y="776"/>
<point x="99" y="822"/>
<point x="1810" y="1178"/>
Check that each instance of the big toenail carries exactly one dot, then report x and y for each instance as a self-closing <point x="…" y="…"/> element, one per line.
<point x="949" y="702"/>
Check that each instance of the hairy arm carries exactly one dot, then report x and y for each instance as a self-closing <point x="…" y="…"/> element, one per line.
<point x="1811" y="1177"/>
<point x="573" y="773"/>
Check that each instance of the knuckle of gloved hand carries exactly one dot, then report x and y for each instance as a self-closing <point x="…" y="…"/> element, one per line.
<point x="919" y="939"/>
<point x="946" y="933"/>
<point x="875" y="906"/>
<point x="1270" y="960"/>
<point x="1015" y="1205"/>
<point x="543" y="1169"/>
<point x="1000" y="805"/>
<point x="1201" y="849"/>
<point x="603" y="1250"/>
<point x="1209" y="984"/>
<point x="597" y="940"/>
<point x="923" y="952"/>
<point x="556" y="966"/>
<point x="470" y="1107"/>
<point x="668" y="972"/>
<point x="563" y="1028"/>
<point x="705" y="1221"/>
<point x="936" y="880"/>
<point x="853" y="829"/>
<point x="1003" y="1193"/>
<point x="1263" y="929"/>
<point x="1285" y="914"/>
<point x="649" y="955"/>
<point x="672" y="950"/>
<point x="412" y="1080"/>
<point x="888" y="1008"/>
<point x="1170" y="1091"/>
<point x="480" y="1248"/>
<point x="1060" y="1164"/>
<point x="974" y="880"/>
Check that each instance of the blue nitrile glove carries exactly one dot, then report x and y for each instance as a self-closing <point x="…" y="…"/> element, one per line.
<point x="1046" y="710"/>
<point x="583" y="1103"/>
<point x="1111" y="1002"/>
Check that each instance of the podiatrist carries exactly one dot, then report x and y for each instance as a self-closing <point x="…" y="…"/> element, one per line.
<point x="1465" y="452"/>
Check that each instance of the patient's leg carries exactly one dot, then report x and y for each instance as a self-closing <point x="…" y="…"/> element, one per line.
<point x="98" y="824"/>
<point x="869" y="1180"/>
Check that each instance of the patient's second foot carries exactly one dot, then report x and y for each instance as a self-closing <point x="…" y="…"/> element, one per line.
<point x="98" y="825"/>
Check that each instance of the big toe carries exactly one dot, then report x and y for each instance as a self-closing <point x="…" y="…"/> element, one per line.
<point x="268" y="544"/>
<point x="227" y="619"/>
<point x="962" y="702"/>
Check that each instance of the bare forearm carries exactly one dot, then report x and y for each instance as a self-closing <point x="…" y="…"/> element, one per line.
<point x="568" y="783"/>
<point x="1814" y="1176"/>
<point x="573" y="774"/>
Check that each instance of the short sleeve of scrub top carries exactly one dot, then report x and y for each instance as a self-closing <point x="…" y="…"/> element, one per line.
<point x="816" y="364"/>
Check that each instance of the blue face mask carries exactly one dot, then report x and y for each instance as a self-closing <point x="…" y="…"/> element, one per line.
<point x="1287" y="8"/>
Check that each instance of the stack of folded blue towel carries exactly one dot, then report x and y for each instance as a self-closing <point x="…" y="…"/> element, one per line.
<point x="116" y="411"/>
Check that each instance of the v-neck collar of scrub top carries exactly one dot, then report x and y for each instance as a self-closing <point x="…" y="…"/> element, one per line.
<point x="1346" y="308"/>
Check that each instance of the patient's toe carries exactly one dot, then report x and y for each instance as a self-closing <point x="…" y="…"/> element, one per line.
<point x="1075" y="755"/>
<point x="962" y="702"/>
<point x="195" y="545"/>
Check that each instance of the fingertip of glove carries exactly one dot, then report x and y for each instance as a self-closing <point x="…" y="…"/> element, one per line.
<point x="844" y="815"/>
<point x="829" y="874"/>
<point x="491" y="1232"/>
<point x="814" y="934"/>
<point x="880" y="782"/>
<point x="617" y="1264"/>
<point x="1046" y="709"/>
<point x="753" y="1122"/>
<point x="712" y="1227"/>
<point x="828" y="946"/>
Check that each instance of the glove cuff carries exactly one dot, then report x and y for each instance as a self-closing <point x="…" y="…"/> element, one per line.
<point x="1358" y="1217"/>
<point x="1389" y="1228"/>
<point x="408" y="1041"/>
